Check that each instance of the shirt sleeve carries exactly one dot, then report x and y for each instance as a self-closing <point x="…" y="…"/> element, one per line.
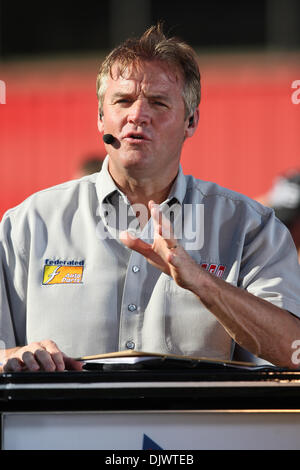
<point x="270" y="267"/>
<point x="13" y="282"/>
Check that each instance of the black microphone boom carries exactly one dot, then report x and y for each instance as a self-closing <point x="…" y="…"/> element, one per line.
<point x="108" y="138"/>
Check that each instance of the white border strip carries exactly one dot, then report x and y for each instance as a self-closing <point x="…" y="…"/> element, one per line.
<point x="152" y="385"/>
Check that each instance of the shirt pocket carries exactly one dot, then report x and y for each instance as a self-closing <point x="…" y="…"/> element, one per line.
<point x="190" y="328"/>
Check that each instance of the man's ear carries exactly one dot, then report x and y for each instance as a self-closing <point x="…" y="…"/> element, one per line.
<point x="191" y="124"/>
<point x="100" y="123"/>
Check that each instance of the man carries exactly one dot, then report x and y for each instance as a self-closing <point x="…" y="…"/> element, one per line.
<point x="89" y="165"/>
<point x="77" y="282"/>
<point x="284" y="198"/>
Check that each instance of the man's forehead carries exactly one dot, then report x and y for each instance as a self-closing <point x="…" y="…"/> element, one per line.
<point x="145" y="71"/>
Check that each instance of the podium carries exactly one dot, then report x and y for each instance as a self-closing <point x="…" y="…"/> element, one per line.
<point x="167" y="409"/>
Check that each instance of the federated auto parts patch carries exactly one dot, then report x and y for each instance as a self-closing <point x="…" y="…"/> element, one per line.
<point x="63" y="272"/>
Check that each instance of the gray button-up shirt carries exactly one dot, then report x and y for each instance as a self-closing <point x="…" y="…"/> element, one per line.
<point x="66" y="276"/>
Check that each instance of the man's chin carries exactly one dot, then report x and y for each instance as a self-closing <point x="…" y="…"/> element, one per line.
<point x="136" y="160"/>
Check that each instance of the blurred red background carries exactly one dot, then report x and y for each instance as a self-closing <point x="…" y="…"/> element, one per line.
<point x="249" y="129"/>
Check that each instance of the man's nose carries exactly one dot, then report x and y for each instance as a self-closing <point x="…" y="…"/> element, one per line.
<point x="139" y="113"/>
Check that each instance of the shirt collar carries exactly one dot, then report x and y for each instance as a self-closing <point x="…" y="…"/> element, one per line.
<point x="105" y="186"/>
<point x="178" y="190"/>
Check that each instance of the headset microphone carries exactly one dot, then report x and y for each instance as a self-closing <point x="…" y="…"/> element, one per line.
<point x="108" y="138"/>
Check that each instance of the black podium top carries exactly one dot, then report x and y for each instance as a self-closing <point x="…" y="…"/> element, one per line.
<point x="152" y="388"/>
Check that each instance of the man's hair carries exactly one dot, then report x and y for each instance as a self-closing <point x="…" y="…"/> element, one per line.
<point x="154" y="45"/>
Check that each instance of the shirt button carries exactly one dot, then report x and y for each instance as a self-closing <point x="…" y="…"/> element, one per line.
<point x="132" y="307"/>
<point x="135" y="269"/>
<point x="130" y="345"/>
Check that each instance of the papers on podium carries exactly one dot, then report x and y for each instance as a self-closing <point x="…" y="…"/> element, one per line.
<point x="131" y="359"/>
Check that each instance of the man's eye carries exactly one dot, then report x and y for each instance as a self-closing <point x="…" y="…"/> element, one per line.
<point x="160" y="103"/>
<point x="122" y="101"/>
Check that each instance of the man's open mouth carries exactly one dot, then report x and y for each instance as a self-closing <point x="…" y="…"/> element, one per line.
<point x="136" y="136"/>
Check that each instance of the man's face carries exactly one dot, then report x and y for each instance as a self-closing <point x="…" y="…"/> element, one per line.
<point x="144" y="110"/>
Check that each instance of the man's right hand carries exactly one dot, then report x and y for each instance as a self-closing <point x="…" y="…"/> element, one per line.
<point x="41" y="356"/>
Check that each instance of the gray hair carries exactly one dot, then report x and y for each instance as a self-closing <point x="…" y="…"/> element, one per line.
<point x="154" y="45"/>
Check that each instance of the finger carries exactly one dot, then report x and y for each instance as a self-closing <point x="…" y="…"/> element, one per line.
<point x="135" y="243"/>
<point x="57" y="356"/>
<point x="72" y="364"/>
<point x="138" y="245"/>
<point x="58" y="360"/>
<point x="154" y="211"/>
<point x="30" y="361"/>
<point x="156" y="217"/>
<point x="44" y="355"/>
<point x="162" y="225"/>
<point x="13" y="365"/>
<point x="144" y="249"/>
<point x="45" y="360"/>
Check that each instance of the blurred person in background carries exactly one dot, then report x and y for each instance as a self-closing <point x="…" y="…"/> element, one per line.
<point x="89" y="165"/>
<point x="284" y="198"/>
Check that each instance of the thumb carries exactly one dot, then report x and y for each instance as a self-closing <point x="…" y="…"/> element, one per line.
<point x="72" y="364"/>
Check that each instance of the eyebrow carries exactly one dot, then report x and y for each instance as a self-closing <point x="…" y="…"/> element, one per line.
<point x="158" y="97"/>
<point x="120" y="94"/>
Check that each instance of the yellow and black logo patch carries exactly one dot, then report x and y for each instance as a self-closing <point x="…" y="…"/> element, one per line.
<point x="62" y="274"/>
